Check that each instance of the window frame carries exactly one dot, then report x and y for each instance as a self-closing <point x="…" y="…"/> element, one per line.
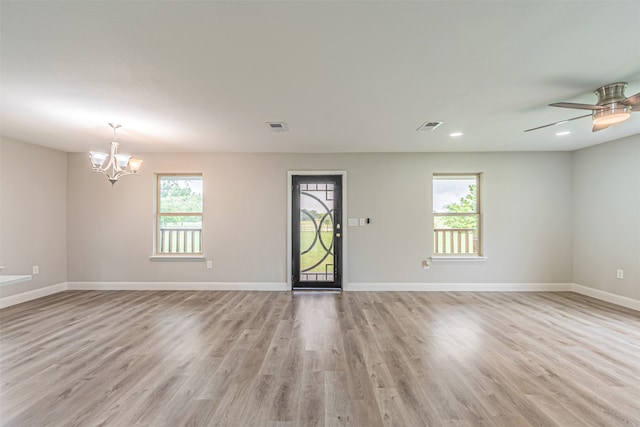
<point x="479" y="238"/>
<point x="158" y="214"/>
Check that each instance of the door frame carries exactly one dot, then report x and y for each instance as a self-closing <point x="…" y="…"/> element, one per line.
<point x="342" y="240"/>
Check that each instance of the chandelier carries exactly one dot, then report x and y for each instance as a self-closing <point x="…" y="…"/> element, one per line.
<point x="118" y="164"/>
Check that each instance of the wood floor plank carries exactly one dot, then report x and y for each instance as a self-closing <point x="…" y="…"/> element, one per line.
<point x="281" y="359"/>
<point x="336" y="402"/>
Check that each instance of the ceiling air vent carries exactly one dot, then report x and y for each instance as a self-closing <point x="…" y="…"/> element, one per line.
<point x="429" y="126"/>
<point x="278" y="126"/>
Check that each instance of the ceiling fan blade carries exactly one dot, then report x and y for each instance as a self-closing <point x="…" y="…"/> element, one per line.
<point x="596" y="128"/>
<point x="633" y="101"/>
<point x="578" y="106"/>
<point x="559" y="123"/>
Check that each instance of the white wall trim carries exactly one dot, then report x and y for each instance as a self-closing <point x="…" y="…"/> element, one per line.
<point x="460" y="287"/>
<point x="627" y="302"/>
<point x="177" y="286"/>
<point x="31" y="295"/>
<point x="283" y="286"/>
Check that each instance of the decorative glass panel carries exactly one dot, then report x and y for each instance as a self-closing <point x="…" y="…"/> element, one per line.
<point x="316" y="232"/>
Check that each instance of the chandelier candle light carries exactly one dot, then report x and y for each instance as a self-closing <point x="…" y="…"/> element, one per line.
<point x="118" y="164"/>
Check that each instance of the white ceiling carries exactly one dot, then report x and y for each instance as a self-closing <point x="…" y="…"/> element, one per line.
<point x="346" y="76"/>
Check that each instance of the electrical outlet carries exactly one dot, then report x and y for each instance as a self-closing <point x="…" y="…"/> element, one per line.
<point x="209" y="264"/>
<point x="363" y="222"/>
<point x="425" y="264"/>
<point x="36" y="269"/>
<point x="619" y="274"/>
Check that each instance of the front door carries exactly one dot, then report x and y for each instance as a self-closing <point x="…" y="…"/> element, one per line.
<point x="316" y="222"/>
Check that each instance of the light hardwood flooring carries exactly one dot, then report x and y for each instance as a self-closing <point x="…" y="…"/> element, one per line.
<point x="311" y="359"/>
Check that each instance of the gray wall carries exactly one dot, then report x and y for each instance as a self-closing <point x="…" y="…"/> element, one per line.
<point x="33" y="205"/>
<point x="606" y="216"/>
<point x="549" y="217"/>
<point x="526" y="205"/>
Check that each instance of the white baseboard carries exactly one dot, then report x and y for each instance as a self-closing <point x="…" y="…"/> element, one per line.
<point x="460" y="287"/>
<point x="142" y="286"/>
<point x="282" y="286"/>
<point x="31" y="295"/>
<point x="177" y="286"/>
<point x="631" y="303"/>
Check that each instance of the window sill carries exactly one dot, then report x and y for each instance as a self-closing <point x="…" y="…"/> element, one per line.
<point x="177" y="258"/>
<point x="11" y="280"/>
<point x="458" y="258"/>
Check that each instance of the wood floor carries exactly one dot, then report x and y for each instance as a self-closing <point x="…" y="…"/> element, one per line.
<point x="311" y="359"/>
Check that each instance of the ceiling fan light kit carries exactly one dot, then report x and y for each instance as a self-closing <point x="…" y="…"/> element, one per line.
<point x="118" y="164"/>
<point x="613" y="107"/>
<point x="611" y="116"/>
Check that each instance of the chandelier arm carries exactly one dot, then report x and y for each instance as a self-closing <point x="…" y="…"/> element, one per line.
<point x="111" y="176"/>
<point x="102" y="171"/>
<point x="122" y="173"/>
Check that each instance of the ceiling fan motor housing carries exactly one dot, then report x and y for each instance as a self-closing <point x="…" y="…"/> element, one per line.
<point x="612" y="93"/>
<point x="610" y="96"/>
<point x="615" y="113"/>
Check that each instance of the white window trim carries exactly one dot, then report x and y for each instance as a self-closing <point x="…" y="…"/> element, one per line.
<point x="447" y="258"/>
<point x="455" y="259"/>
<point x="159" y="257"/>
<point x="176" y="257"/>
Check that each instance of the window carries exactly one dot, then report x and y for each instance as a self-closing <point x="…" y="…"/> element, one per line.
<point x="179" y="214"/>
<point x="456" y="215"/>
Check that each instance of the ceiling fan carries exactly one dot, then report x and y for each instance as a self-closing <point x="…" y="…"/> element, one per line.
<point x="613" y="107"/>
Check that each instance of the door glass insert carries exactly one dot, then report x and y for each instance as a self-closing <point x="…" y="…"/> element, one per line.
<point x="317" y="219"/>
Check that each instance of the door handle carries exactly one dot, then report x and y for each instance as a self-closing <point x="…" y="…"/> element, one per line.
<point x="337" y="234"/>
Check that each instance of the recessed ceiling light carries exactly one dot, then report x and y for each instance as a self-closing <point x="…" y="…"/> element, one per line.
<point x="566" y="132"/>
<point x="455" y="134"/>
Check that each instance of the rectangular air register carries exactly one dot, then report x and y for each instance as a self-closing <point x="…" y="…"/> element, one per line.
<point x="429" y="126"/>
<point x="278" y="126"/>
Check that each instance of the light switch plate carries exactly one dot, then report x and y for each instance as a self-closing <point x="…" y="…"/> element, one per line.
<point x="353" y="222"/>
